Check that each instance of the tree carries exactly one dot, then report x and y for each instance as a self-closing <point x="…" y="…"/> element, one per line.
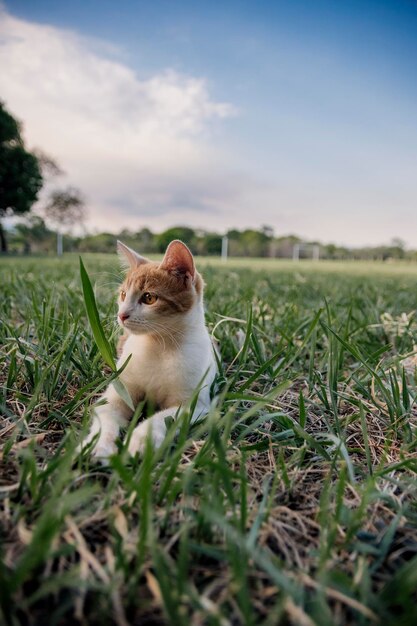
<point x="210" y="243"/>
<point x="65" y="208"/>
<point x="254" y="242"/>
<point x="267" y="230"/>
<point x="103" y="242"/>
<point x="185" y="234"/>
<point x="397" y="248"/>
<point x="49" y="166"/>
<point x="33" y="235"/>
<point x="20" y="173"/>
<point x="146" y="241"/>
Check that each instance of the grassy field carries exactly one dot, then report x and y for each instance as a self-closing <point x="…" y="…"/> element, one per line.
<point x="294" y="502"/>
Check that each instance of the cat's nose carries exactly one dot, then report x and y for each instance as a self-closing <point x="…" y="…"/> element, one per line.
<point x="124" y="316"/>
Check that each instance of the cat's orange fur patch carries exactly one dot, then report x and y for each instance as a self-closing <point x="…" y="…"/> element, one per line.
<point x="176" y="291"/>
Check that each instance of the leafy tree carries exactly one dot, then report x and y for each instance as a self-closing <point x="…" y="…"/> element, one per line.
<point x="146" y="241"/>
<point x="143" y="241"/>
<point x="20" y="173"/>
<point x="49" y="167"/>
<point x="248" y="242"/>
<point x="103" y="242"/>
<point x="254" y="242"/>
<point x="267" y="230"/>
<point x="212" y="244"/>
<point x="397" y="248"/>
<point x="186" y="235"/>
<point x="65" y="208"/>
<point x="32" y="235"/>
<point x="234" y="234"/>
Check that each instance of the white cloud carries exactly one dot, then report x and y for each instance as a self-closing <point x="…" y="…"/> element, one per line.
<point x="137" y="148"/>
<point x="143" y="151"/>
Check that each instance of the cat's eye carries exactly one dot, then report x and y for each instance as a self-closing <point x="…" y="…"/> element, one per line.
<point x="149" y="298"/>
<point x="122" y="296"/>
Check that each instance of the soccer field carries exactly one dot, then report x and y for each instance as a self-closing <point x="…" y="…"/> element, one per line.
<point x="293" y="502"/>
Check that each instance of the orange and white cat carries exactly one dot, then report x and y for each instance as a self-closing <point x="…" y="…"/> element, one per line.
<point x="161" y="312"/>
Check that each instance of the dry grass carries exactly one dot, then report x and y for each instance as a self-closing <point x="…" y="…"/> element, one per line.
<point x="294" y="502"/>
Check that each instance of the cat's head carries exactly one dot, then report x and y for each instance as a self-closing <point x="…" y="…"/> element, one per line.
<point x="156" y="297"/>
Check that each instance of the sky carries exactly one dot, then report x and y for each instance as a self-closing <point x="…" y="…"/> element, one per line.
<point x="299" y="115"/>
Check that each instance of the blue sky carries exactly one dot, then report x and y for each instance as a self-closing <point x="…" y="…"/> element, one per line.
<point x="301" y="115"/>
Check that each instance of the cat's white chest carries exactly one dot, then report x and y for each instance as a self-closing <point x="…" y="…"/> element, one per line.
<point x="166" y="375"/>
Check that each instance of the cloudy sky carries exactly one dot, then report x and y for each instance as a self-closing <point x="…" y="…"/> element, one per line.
<point x="300" y="115"/>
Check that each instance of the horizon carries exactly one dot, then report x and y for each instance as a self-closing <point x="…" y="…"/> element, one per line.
<point x="298" y="117"/>
<point x="275" y="235"/>
<point x="10" y="223"/>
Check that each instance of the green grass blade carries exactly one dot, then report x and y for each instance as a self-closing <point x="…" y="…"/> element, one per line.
<point x="94" y="319"/>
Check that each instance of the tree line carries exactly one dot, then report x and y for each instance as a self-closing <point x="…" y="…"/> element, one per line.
<point x="34" y="236"/>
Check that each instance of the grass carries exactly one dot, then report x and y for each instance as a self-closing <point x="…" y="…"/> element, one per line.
<point x="294" y="502"/>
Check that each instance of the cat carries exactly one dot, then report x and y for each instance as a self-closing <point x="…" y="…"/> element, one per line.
<point x="162" y="315"/>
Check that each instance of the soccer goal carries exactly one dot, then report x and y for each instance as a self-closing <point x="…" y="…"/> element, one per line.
<point x="306" y="250"/>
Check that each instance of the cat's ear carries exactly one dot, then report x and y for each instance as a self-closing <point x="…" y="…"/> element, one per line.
<point x="178" y="259"/>
<point x="129" y="257"/>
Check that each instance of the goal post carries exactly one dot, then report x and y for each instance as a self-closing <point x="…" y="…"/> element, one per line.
<point x="312" y="248"/>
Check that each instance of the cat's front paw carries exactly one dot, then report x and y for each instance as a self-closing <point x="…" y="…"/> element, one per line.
<point x="103" y="450"/>
<point x="153" y="430"/>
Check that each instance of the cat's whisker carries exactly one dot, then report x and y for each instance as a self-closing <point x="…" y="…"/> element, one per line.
<point x="149" y="326"/>
<point x="167" y="331"/>
<point x="116" y="275"/>
<point x="164" y="327"/>
<point x="169" y="335"/>
<point x="114" y="284"/>
<point x="160" y="339"/>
